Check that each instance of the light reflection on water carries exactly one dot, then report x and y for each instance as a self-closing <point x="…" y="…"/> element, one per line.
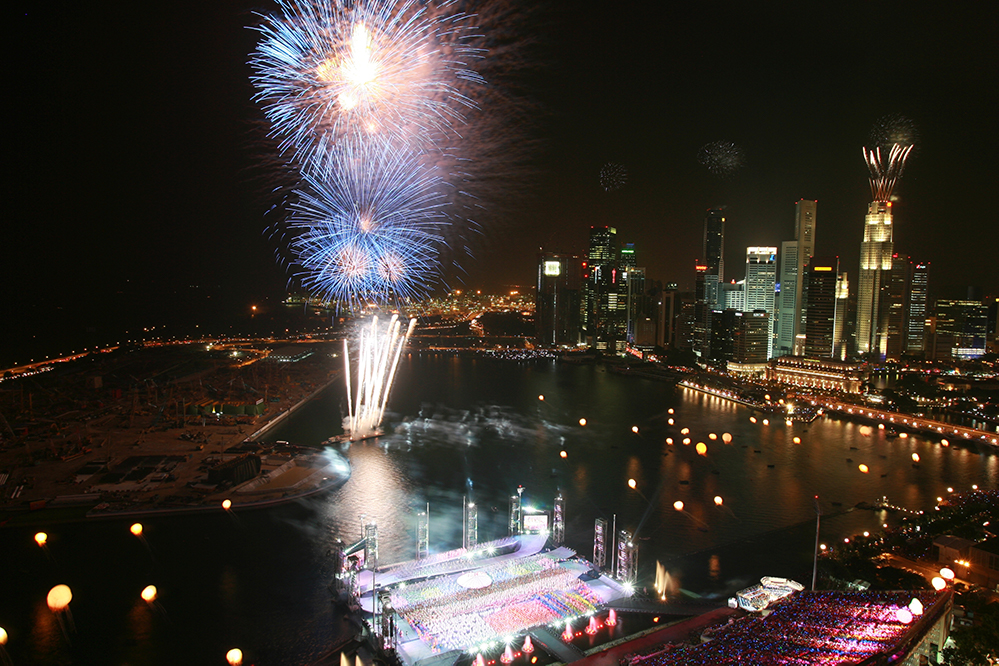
<point x="468" y="427"/>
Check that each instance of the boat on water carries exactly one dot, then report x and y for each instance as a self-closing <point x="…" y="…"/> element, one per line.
<point x="347" y="438"/>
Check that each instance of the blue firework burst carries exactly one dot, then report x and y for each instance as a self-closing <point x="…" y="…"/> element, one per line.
<point x="368" y="224"/>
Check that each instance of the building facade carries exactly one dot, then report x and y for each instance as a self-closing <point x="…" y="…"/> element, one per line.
<point x="822" y="276"/>
<point x="558" y="300"/>
<point x="875" y="266"/>
<point x="794" y="257"/>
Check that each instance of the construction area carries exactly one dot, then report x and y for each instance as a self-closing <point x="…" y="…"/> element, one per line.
<point x="161" y="427"/>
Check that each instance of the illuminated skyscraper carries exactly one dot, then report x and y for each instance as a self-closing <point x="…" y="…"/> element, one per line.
<point x="916" y="324"/>
<point x="605" y="292"/>
<point x="557" y="304"/>
<point x="822" y="276"/>
<point x="895" y="306"/>
<point x="709" y="276"/>
<point x="875" y="267"/>
<point x="761" y="283"/>
<point x="876" y="250"/>
<point x="794" y="257"/>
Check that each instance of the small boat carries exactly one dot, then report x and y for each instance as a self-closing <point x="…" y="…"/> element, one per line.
<point x="771" y="466"/>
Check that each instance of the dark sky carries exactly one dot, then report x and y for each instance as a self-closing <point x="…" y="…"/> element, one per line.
<point x="132" y="163"/>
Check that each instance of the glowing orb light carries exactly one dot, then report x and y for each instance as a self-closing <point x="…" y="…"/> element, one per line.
<point x="149" y="593"/>
<point x="669" y="440"/>
<point x="541" y="398"/>
<point x="766" y="421"/>
<point x="634" y="429"/>
<point x="915" y="457"/>
<point x="718" y="500"/>
<point x="41" y="538"/>
<point x="701" y="448"/>
<point x="796" y="440"/>
<point x="3" y="636"/>
<point x="752" y="419"/>
<point x="59" y="597"/>
<point x="226" y="504"/>
<point x="234" y="657"/>
<point x="712" y="436"/>
<point x="727" y="437"/>
<point x="863" y="468"/>
<point x="903" y="435"/>
<point x="947" y="573"/>
<point x="136" y="529"/>
<point x="938" y="583"/>
<point x="563" y="454"/>
<point x="916" y="606"/>
<point x="685" y="431"/>
<point x="678" y="505"/>
<point x="669" y="421"/>
<point x="582" y="422"/>
<point x="632" y="483"/>
<point x="944" y="442"/>
<point x="686" y="441"/>
<point x="903" y="615"/>
<point x="788" y="422"/>
<point x="669" y="411"/>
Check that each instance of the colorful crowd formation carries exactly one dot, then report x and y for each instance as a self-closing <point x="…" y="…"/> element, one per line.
<point x="807" y="628"/>
<point x="524" y="593"/>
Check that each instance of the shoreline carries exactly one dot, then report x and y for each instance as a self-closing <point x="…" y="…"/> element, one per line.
<point x="83" y="511"/>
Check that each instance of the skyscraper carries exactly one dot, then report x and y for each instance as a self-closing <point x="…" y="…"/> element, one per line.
<point x="599" y="282"/>
<point x="794" y="257"/>
<point x="916" y="324"/>
<point x="710" y="273"/>
<point x="875" y="267"/>
<point x="876" y="249"/>
<point x="822" y="276"/>
<point x="560" y="281"/>
<point x="761" y="283"/>
<point x="895" y="306"/>
<point x="840" y="346"/>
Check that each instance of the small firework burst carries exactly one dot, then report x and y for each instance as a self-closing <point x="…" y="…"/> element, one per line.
<point x="722" y="158"/>
<point x="613" y="176"/>
<point x="894" y="129"/>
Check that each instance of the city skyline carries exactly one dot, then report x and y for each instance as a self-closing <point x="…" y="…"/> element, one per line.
<point x="136" y="171"/>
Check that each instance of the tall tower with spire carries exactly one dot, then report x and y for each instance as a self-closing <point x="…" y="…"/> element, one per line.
<point x="877" y="248"/>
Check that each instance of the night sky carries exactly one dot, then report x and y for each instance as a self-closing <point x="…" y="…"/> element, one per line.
<point x="135" y="163"/>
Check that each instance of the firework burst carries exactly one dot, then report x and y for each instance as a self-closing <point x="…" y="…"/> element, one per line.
<point x="894" y="129"/>
<point x="369" y="224"/>
<point x="885" y="174"/>
<point x="613" y="176"/>
<point x="722" y="158"/>
<point x="327" y="70"/>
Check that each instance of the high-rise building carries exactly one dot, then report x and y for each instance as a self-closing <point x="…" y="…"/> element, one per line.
<point x="875" y="265"/>
<point x="794" y="257"/>
<point x="840" y="348"/>
<point x="733" y="296"/>
<point x="895" y="306"/>
<point x="557" y="305"/>
<point x="714" y="242"/>
<point x="750" y="343"/>
<point x="915" y="332"/>
<point x="961" y="329"/>
<point x="600" y="288"/>
<point x="876" y="250"/>
<point x="822" y="276"/>
<point x="710" y="272"/>
<point x="761" y="284"/>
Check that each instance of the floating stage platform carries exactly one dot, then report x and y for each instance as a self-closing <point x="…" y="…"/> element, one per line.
<point x="455" y="604"/>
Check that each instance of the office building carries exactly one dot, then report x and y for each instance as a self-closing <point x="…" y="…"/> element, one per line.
<point x="794" y="256"/>
<point x="761" y="284"/>
<point x="558" y="299"/>
<point x="915" y="332"/>
<point x="822" y="276"/>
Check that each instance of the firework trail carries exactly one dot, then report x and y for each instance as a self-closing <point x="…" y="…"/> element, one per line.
<point x="613" y="176"/>
<point x="884" y="175"/>
<point x="368" y="224"/>
<point x="328" y="70"/>
<point x="722" y="158"/>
